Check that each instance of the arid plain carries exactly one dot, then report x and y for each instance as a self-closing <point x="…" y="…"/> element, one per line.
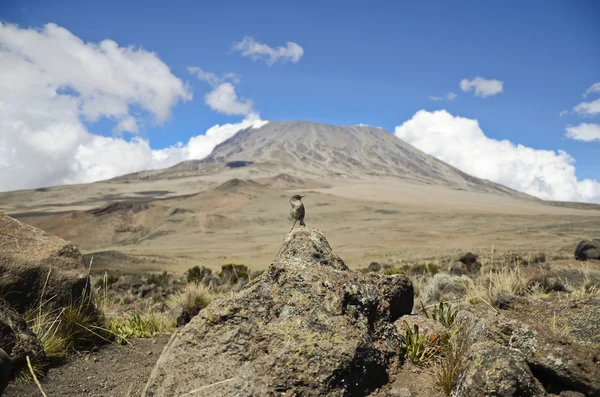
<point x="233" y="206"/>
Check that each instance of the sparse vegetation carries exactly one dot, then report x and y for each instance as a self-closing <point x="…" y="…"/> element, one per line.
<point x="197" y="274"/>
<point x="418" y="347"/>
<point x="392" y="270"/>
<point x="452" y="360"/>
<point x="193" y="298"/>
<point x="161" y="279"/>
<point x="443" y="313"/>
<point x="139" y="325"/>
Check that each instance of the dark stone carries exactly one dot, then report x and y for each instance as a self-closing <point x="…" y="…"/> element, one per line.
<point x="587" y="249"/>
<point x="374" y="267"/>
<point x="183" y="318"/>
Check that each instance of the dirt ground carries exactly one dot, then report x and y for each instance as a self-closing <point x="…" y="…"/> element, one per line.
<point x="112" y="371"/>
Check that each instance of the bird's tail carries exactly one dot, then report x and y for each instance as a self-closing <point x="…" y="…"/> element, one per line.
<point x="302" y="223"/>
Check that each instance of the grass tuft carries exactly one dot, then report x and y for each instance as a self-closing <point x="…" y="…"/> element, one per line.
<point x="193" y="298"/>
<point x="452" y="363"/>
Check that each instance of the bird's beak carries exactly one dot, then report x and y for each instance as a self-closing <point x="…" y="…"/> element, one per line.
<point x="302" y="196"/>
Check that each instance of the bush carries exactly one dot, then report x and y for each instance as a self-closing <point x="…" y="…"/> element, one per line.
<point x="161" y="280"/>
<point x="231" y="273"/>
<point x="425" y="268"/>
<point x="197" y="274"/>
<point x="392" y="270"/>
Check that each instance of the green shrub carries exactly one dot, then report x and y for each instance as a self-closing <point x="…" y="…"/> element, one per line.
<point x="418" y="347"/>
<point x="197" y="274"/>
<point x="393" y="270"/>
<point x="139" y="325"/>
<point x="161" y="280"/>
<point x="425" y="268"/>
<point x="231" y="273"/>
<point x="442" y="313"/>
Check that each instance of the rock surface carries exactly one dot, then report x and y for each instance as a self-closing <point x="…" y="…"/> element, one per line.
<point x="497" y="371"/>
<point x="588" y="249"/>
<point x="17" y="340"/>
<point x="308" y="326"/>
<point x="32" y="261"/>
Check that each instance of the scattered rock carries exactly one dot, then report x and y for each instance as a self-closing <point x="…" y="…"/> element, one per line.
<point x="183" y="318"/>
<point x="504" y="300"/>
<point x="308" y="326"/>
<point x="374" y="267"/>
<point x="588" y="249"/>
<point x="33" y="262"/>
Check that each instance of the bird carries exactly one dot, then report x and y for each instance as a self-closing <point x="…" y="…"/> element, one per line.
<point x="297" y="211"/>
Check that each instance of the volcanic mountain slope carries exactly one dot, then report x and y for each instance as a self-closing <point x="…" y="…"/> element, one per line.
<point x="323" y="152"/>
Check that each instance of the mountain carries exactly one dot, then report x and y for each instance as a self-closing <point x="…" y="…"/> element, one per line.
<point x="378" y="199"/>
<point x="321" y="152"/>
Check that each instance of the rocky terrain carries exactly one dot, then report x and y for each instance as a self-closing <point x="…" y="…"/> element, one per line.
<point x="308" y="325"/>
<point x="411" y="279"/>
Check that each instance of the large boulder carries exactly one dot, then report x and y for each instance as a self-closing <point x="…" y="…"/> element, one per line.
<point x="33" y="262"/>
<point x="308" y="326"/>
<point x="553" y="344"/>
<point x="588" y="249"/>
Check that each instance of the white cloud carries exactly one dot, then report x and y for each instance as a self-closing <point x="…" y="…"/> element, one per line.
<point x="588" y="108"/>
<point x="52" y="83"/>
<point x="586" y="132"/>
<point x="211" y="78"/>
<point x="127" y="124"/>
<point x="223" y="98"/>
<point x="448" y="97"/>
<point x="459" y="141"/>
<point x="200" y="146"/>
<point x="251" y="48"/>
<point x="482" y="87"/>
<point x="595" y="88"/>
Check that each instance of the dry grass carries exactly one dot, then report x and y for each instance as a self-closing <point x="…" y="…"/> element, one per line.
<point x="447" y="369"/>
<point x="139" y="325"/>
<point x="193" y="298"/>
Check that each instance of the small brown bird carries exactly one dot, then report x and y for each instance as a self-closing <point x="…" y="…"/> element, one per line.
<point x="297" y="211"/>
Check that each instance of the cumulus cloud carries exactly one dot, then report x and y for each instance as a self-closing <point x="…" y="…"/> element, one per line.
<point x="249" y="47"/>
<point x="588" y="108"/>
<point x="594" y="89"/>
<point x="52" y="83"/>
<point x="459" y="141"/>
<point x="482" y="87"/>
<point x="586" y="132"/>
<point x="448" y="97"/>
<point x="223" y="98"/>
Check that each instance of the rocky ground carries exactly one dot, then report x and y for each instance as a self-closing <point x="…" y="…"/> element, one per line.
<point x="510" y="325"/>
<point x="112" y="371"/>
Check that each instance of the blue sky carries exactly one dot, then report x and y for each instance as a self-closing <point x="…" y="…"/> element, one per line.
<point x="363" y="62"/>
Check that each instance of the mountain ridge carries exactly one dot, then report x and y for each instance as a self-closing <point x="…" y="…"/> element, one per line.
<point x="323" y="151"/>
